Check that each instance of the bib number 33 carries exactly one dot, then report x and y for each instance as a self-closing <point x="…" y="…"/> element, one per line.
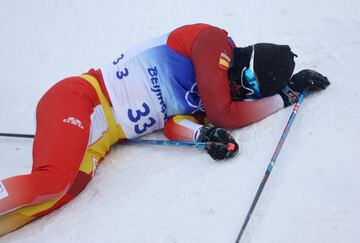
<point x="122" y="73"/>
<point x="136" y="117"/>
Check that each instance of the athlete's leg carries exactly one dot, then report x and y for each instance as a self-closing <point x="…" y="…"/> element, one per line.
<point x="62" y="134"/>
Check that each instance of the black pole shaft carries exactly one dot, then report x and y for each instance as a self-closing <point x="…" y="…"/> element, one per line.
<point x="253" y="204"/>
<point x="16" y="135"/>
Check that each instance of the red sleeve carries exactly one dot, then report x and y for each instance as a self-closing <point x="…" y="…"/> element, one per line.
<point x="182" y="128"/>
<point x="181" y="40"/>
<point x="213" y="84"/>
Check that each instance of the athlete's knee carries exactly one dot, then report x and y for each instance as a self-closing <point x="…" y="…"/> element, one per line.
<point x="52" y="182"/>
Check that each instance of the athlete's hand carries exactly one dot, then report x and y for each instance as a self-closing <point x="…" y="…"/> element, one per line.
<point x="308" y="78"/>
<point x="222" y="145"/>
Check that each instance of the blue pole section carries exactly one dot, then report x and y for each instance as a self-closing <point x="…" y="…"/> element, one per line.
<point x="169" y="142"/>
<point x="136" y="140"/>
<point x="271" y="164"/>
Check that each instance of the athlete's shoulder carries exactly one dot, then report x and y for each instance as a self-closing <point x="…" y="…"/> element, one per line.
<point x="181" y="39"/>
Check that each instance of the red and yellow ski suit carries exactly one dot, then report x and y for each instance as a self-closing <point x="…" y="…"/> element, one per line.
<point x="66" y="149"/>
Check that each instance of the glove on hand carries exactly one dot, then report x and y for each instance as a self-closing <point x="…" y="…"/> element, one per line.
<point x="299" y="81"/>
<point x="308" y="78"/>
<point x="224" y="145"/>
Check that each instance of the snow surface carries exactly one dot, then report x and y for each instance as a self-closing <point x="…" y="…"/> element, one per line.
<point x="165" y="194"/>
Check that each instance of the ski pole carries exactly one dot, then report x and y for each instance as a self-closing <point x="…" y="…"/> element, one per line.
<point x="169" y="142"/>
<point x="201" y="145"/>
<point x="157" y="142"/>
<point x="17" y="135"/>
<point x="271" y="164"/>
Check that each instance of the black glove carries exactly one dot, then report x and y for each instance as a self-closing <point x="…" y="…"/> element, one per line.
<point x="224" y="145"/>
<point x="299" y="81"/>
<point x="308" y="78"/>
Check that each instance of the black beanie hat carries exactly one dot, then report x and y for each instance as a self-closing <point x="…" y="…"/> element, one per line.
<point x="272" y="65"/>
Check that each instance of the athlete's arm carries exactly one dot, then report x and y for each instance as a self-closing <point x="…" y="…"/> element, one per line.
<point x="182" y="128"/>
<point x="213" y="84"/>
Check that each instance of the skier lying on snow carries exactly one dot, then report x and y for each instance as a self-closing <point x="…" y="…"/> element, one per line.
<point x="167" y="82"/>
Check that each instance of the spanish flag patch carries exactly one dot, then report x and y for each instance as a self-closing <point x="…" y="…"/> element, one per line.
<point x="224" y="61"/>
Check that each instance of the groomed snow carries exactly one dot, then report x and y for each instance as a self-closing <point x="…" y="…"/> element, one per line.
<point x="164" y="194"/>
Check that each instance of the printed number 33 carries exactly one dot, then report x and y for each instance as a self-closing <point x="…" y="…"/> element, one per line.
<point x="139" y="129"/>
<point x="121" y="74"/>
